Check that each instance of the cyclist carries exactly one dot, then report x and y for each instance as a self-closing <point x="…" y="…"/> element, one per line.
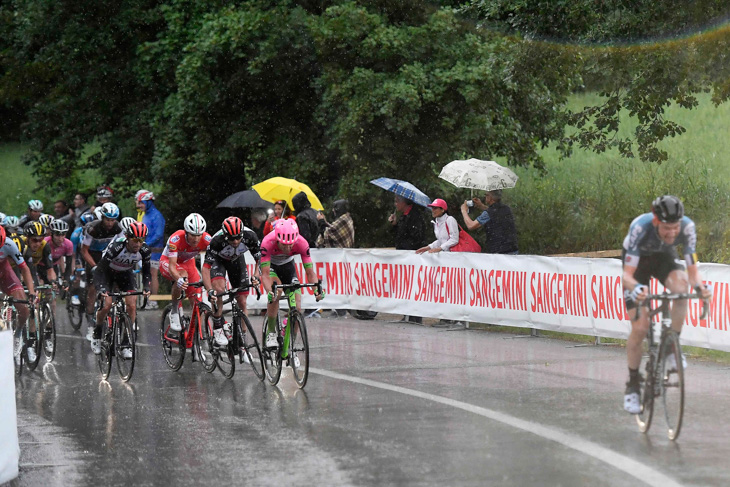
<point x="116" y="267"/>
<point x="177" y="263"/>
<point x="40" y="253"/>
<point x="10" y="285"/>
<point x="35" y="210"/>
<point x="277" y="265"/>
<point x="148" y="213"/>
<point x="650" y="250"/>
<point x="225" y="254"/>
<point x="46" y="220"/>
<point x="62" y="250"/>
<point x="97" y="236"/>
<point x="10" y="223"/>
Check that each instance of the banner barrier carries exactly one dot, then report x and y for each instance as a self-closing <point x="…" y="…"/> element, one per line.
<point x="566" y="294"/>
<point x="9" y="447"/>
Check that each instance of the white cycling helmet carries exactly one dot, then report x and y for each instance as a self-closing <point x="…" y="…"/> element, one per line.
<point x="11" y="221"/>
<point x="194" y="224"/>
<point x="97" y="212"/>
<point x="59" y="226"/>
<point x="125" y="222"/>
<point x="110" y="210"/>
<point x="35" y="205"/>
<point x="2" y="216"/>
<point x="144" y="195"/>
<point x="46" y="220"/>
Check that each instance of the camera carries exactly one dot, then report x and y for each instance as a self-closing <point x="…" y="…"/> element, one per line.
<point x="470" y="203"/>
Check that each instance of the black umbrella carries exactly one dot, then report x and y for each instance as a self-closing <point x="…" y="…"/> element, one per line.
<point x="245" y="199"/>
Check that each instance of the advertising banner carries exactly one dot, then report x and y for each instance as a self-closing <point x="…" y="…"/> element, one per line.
<point x="9" y="447"/>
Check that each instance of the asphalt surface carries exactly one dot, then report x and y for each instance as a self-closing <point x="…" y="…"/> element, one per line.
<point x="386" y="404"/>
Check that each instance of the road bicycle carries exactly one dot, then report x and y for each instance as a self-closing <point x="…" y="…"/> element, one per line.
<point x="293" y="345"/>
<point x="196" y="333"/>
<point x="141" y="300"/>
<point x="660" y="379"/>
<point x="47" y="320"/>
<point x="10" y="317"/>
<point x="116" y="336"/>
<point x="76" y="287"/>
<point x="243" y="342"/>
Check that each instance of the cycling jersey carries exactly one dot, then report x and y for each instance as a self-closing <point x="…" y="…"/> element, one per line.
<point x="117" y="258"/>
<point x="66" y="249"/>
<point x="643" y="240"/>
<point x="42" y="256"/>
<point x="178" y="246"/>
<point x="220" y="248"/>
<point x="271" y="253"/>
<point x="11" y="252"/>
<point x="97" y="237"/>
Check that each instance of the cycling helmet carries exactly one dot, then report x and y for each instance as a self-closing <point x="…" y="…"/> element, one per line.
<point x="59" y="226"/>
<point x="286" y="231"/>
<point x="88" y="217"/>
<point x="232" y="227"/>
<point x="195" y="224"/>
<point x="125" y="222"/>
<point x="34" y="229"/>
<point x="668" y="209"/>
<point x="110" y="210"/>
<point x="46" y="220"/>
<point x="104" y="192"/>
<point x="97" y="213"/>
<point x="11" y="221"/>
<point x="144" y="195"/>
<point x="2" y="236"/>
<point x="35" y="205"/>
<point x="136" y="230"/>
<point x="2" y="216"/>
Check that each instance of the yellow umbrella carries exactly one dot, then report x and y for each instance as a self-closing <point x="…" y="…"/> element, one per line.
<point x="278" y="188"/>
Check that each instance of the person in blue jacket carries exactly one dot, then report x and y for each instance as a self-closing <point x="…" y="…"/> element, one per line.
<point x="148" y="214"/>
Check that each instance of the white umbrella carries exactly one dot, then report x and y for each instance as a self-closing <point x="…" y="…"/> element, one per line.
<point x="478" y="174"/>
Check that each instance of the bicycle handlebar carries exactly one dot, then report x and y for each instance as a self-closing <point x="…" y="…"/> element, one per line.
<point x="675" y="296"/>
<point x="295" y="286"/>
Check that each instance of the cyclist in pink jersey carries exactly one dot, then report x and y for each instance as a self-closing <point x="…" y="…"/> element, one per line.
<point x="278" y="250"/>
<point x="177" y="263"/>
<point x="62" y="250"/>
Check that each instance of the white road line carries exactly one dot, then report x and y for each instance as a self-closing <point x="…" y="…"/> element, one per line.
<point x="628" y="465"/>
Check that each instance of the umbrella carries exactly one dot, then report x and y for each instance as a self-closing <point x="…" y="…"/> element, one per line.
<point x="245" y="199"/>
<point x="477" y="174"/>
<point x="404" y="189"/>
<point x="278" y="188"/>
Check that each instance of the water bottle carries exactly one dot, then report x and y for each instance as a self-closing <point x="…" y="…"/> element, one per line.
<point x="283" y="326"/>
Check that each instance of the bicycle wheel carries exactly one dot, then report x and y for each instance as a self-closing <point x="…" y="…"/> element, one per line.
<point x="249" y="349"/>
<point x="299" y="349"/>
<point x="34" y="340"/>
<point x="224" y="358"/>
<point x="173" y="343"/>
<point x="672" y="383"/>
<point x="643" y="419"/>
<point x="203" y="340"/>
<point x="48" y="327"/>
<point x="107" y="342"/>
<point x="271" y="356"/>
<point x="75" y="311"/>
<point x="141" y="299"/>
<point x="125" y="347"/>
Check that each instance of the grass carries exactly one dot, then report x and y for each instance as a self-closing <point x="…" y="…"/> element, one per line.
<point x="20" y="183"/>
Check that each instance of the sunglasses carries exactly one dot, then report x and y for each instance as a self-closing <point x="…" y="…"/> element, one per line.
<point x="36" y="240"/>
<point x="137" y="240"/>
<point x="59" y="234"/>
<point x="236" y="237"/>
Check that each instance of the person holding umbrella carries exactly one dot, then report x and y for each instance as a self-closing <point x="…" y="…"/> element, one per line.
<point x="497" y="220"/>
<point x="408" y="231"/>
<point x="281" y="210"/>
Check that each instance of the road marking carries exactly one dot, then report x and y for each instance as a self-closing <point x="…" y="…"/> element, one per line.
<point x="83" y="338"/>
<point x="627" y="465"/>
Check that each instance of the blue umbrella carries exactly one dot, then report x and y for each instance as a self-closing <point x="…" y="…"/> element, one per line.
<point x="404" y="189"/>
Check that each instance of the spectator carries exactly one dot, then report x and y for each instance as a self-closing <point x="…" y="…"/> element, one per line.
<point x="148" y="214"/>
<point x="63" y="212"/>
<point x="498" y="223"/>
<point x="306" y="218"/>
<point x="281" y="210"/>
<point x="258" y="219"/>
<point x="409" y="231"/>
<point x="341" y="232"/>
<point x="444" y="227"/>
<point x="105" y="194"/>
<point x="80" y="207"/>
<point x="35" y="210"/>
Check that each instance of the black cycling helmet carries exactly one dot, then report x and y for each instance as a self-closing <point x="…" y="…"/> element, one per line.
<point x="34" y="229"/>
<point x="668" y="208"/>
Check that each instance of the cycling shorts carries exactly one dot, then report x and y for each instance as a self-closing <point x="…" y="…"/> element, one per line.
<point x="237" y="272"/>
<point x="187" y="266"/>
<point x="286" y="273"/>
<point x="657" y="265"/>
<point x="124" y="280"/>
<point x="9" y="282"/>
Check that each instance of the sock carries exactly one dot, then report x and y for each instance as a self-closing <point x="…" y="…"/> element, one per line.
<point x="633" y="375"/>
<point x="271" y="324"/>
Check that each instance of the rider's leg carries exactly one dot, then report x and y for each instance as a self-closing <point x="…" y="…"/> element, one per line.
<point x="101" y="316"/>
<point x="131" y="302"/>
<point x="639" y="329"/>
<point x="678" y="282"/>
<point x="219" y="285"/>
<point x="176" y="291"/>
<point x="23" y="311"/>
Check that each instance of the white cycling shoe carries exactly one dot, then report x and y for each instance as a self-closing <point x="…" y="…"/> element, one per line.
<point x="220" y="337"/>
<point x="31" y="352"/>
<point x="127" y="353"/>
<point x="89" y="332"/>
<point x="96" y="346"/>
<point x="271" y="340"/>
<point x="297" y="364"/>
<point x="671" y="363"/>
<point x="174" y="321"/>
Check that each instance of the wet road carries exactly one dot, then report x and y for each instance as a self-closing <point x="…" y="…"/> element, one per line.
<point x="386" y="404"/>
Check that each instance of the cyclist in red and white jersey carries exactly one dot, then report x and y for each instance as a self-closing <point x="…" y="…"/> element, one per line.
<point x="10" y="285"/>
<point x="177" y="263"/>
<point x="278" y="250"/>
